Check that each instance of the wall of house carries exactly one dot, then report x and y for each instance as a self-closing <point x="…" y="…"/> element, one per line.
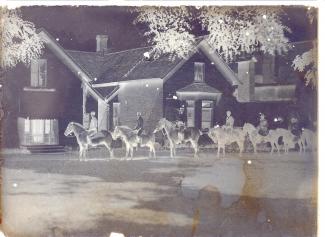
<point x="143" y="96"/>
<point x="59" y="77"/>
<point x="185" y="76"/>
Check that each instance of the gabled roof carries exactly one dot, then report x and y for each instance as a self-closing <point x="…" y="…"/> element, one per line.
<point x="122" y="66"/>
<point x="104" y="68"/>
<point x="107" y="91"/>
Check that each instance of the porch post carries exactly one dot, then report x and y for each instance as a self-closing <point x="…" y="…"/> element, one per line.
<point x="103" y="109"/>
<point x="85" y="116"/>
<point x="190" y="113"/>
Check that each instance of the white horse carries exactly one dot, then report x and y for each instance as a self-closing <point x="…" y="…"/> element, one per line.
<point x="222" y="137"/>
<point x="272" y="137"/>
<point x="307" y="140"/>
<point x="131" y="139"/>
<point x="176" y="135"/>
<point x="85" y="141"/>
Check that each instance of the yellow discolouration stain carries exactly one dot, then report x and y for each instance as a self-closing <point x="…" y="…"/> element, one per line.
<point x="196" y="221"/>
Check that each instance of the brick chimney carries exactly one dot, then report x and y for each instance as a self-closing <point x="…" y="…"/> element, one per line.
<point x="199" y="72"/>
<point x="101" y="43"/>
<point x="246" y="74"/>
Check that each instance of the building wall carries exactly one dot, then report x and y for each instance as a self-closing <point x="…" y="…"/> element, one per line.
<point x="59" y="77"/>
<point x="185" y="76"/>
<point x="145" y="96"/>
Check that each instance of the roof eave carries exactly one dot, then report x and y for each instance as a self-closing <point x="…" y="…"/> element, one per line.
<point x="60" y="53"/>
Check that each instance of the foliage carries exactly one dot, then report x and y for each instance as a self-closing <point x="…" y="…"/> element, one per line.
<point x="20" y="41"/>
<point x="307" y="61"/>
<point x="231" y="30"/>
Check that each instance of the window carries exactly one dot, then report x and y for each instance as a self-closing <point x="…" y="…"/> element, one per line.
<point x="206" y="114"/>
<point x="39" y="73"/>
<point x="38" y="130"/>
<point x="47" y="129"/>
<point x="27" y="126"/>
<point x="199" y="72"/>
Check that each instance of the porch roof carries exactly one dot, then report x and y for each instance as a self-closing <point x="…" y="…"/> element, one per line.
<point x="106" y="91"/>
<point x="198" y="90"/>
<point x="201" y="87"/>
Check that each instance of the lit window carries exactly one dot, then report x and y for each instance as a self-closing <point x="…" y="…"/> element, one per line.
<point x="47" y="129"/>
<point x="27" y="125"/>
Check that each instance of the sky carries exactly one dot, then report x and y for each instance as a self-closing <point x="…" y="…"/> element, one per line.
<point x="77" y="27"/>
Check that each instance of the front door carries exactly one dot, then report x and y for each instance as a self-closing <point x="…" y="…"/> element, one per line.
<point x="190" y="113"/>
<point x="207" y="114"/>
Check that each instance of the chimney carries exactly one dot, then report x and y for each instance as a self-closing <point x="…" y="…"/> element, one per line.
<point x="199" y="72"/>
<point x="246" y="74"/>
<point x="101" y="43"/>
<point x="268" y="68"/>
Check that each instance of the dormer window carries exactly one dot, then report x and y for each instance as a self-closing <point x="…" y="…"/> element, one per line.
<point x="39" y="73"/>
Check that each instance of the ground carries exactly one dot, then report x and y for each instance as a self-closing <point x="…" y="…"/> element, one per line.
<point x="253" y="195"/>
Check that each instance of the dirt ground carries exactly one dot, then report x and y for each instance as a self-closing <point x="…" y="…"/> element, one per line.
<point x="255" y="195"/>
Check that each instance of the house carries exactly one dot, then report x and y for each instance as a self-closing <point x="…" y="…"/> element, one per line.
<point x="65" y="85"/>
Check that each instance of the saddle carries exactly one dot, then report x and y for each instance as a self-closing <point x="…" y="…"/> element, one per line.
<point x="97" y="135"/>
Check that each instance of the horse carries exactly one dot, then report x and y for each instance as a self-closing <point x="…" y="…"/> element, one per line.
<point x="307" y="139"/>
<point x="131" y="139"/>
<point x="272" y="137"/>
<point x="222" y="137"/>
<point x="85" y="141"/>
<point x="176" y="136"/>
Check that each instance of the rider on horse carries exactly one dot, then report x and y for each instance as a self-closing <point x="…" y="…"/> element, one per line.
<point x="93" y="126"/>
<point x="139" y="125"/>
<point x="263" y="127"/>
<point x="229" y="122"/>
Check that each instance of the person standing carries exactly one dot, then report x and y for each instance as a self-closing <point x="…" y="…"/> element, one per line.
<point x="93" y="126"/>
<point x="139" y="125"/>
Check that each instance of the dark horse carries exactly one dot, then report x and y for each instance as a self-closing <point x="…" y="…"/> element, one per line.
<point x="85" y="141"/>
<point x="176" y="135"/>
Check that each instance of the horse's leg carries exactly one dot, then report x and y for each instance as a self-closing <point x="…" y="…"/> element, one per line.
<point x="255" y="147"/>
<point x="131" y="151"/>
<point x="171" y="150"/>
<point x="241" y="148"/>
<point x="126" y="151"/>
<point x="84" y="153"/>
<point x="174" y="150"/>
<point x="80" y="153"/>
<point x="195" y="147"/>
<point x="154" y="151"/>
<point x="219" y="148"/>
<point x="272" y="146"/>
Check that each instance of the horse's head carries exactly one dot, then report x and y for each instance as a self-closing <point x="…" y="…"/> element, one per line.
<point x="248" y="128"/>
<point x="180" y="124"/>
<point x="212" y="132"/>
<point x="116" y="133"/>
<point x="160" y="125"/>
<point x="69" y="130"/>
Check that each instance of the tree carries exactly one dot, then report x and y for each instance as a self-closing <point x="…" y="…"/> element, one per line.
<point x="307" y="61"/>
<point x="231" y="30"/>
<point x="19" y="40"/>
